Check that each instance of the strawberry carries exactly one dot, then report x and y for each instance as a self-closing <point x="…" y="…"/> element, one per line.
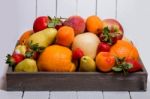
<point x="33" y="51"/>
<point x="55" y="23"/>
<point x="41" y="23"/>
<point x="126" y="65"/>
<point x="121" y="65"/>
<point x="110" y="36"/>
<point x="77" y="54"/>
<point x="103" y="47"/>
<point x="14" y="59"/>
<point x="136" y="65"/>
<point x="32" y="54"/>
<point x="44" y="22"/>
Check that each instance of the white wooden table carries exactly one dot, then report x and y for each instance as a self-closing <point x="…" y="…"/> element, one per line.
<point x="75" y="94"/>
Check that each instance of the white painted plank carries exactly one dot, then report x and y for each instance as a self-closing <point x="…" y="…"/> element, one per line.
<point x="36" y="95"/>
<point x="135" y="18"/>
<point x="116" y="95"/>
<point x="26" y="13"/>
<point x="16" y="17"/>
<point x="66" y="8"/>
<point x="90" y="95"/>
<point x="106" y="8"/>
<point x="46" y="7"/>
<point x="8" y="32"/>
<point x="86" y="8"/>
<point x="10" y="95"/>
<point x="63" y="95"/>
<point x="141" y="95"/>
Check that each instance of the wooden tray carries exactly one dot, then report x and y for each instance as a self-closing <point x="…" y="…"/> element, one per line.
<point x="76" y="81"/>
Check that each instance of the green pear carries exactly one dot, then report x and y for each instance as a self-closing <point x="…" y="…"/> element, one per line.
<point x="27" y="65"/>
<point x="87" y="64"/>
<point x="43" y="38"/>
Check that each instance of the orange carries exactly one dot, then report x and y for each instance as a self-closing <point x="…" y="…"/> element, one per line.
<point x="94" y="24"/>
<point x="124" y="49"/>
<point x="105" y="61"/>
<point x="23" y="38"/>
<point x="65" y="36"/>
<point x="56" y="58"/>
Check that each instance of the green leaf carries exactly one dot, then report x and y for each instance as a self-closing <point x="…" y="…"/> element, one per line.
<point x="117" y="69"/>
<point x="54" y="22"/>
<point x="29" y="54"/>
<point x="51" y="25"/>
<point x="130" y="65"/>
<point x="115" y="29"/>
<point x="106" y="30"/>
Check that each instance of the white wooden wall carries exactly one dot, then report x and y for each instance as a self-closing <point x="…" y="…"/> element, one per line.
<point x="17" y="16"/>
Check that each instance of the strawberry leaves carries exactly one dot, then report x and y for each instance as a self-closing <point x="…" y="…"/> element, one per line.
<point x="122" y="65"/>
<point x="55" y="22"/>
<point x="105" y="36"/>
<point x="34" y="51"/>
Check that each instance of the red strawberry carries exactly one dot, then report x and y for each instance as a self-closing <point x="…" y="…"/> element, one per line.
<point x="126" y="65"/>
<point x="32" y="54"/>
<point x="14" y="59"/>
<point x="136" y="66"/>
<point x="110" y="37"/>
<point x="77" y="54"/>
<point x="41" y="23"/>
<point x="55" y="23"/>
<point x="103" y="47"/>
<point x="44" y="22"/>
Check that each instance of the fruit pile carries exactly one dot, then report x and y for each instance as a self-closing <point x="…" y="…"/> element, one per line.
<point x="74" y="44"/>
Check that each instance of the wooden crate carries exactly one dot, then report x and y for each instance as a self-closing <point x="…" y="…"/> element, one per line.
<point x="76" y="81"/>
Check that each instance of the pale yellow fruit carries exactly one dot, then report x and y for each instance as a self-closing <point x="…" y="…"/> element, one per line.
<point x="87" y="64"/>
<point x="27" y="65"/>
<point x="43" y="38"/>
<point x="87" y="42"/>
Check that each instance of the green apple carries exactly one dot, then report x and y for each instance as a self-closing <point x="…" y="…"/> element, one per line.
<point x="27" y="65"/>
<point x="43" y="38"/>
<point x="87" y="64"/>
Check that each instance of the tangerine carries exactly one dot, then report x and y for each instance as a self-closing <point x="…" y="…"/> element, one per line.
<point x="94" y="24"/>
<point x="105" y="61"/>
<point x="23" y="38"/>
<point x="65" y="36"/>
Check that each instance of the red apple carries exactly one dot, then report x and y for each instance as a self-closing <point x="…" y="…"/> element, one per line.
<point x="103" y="47"/>
<point x="112" y="31"/>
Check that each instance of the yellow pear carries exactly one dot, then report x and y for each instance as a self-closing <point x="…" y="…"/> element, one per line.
<point x="27" y="65"/>
<point x="43" y="38"/>
<point x="87" y="64"/>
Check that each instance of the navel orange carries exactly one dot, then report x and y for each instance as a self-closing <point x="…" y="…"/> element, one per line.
<point x="124" y="49"/>
<point x="56" y="58"/>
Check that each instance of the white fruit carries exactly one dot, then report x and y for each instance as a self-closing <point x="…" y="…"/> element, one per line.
<point x="87" y="42"/>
